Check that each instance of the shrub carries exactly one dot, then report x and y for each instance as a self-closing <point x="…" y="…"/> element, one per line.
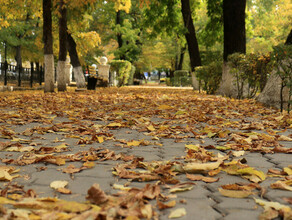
<point x="181" y="78"/>
<point x="132" y="73"/>
<point x="123" y="70"/>
<point x="210" y="76"/>
<point x="282" y="57"/>
<point x="251" y="70"/>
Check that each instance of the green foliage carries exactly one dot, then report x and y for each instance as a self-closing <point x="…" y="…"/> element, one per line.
<point x="181" y="78"/>
<point x="282" y="56"/>
<point x="210" y="76"/>
<point x="251" y="70"/>
<point x="123" y="70"/>
<point x="132" y="73"/>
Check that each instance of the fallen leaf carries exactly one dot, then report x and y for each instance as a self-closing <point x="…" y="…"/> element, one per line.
<point x="201" y="178"/>
<point x="162" y="206"/>
<point x="134" y="143"/>
<point x="58" y="184"/>
<point x="96" y="195"/>
<point x="114" y="124"/>
<point x="274" y="205"/>
<point x="181" y="188"/>
<point x="64" y="191"/>
<point x="284" y="138"/>
<point x="235" y="193"/>
<point x="238" y="153"/>
<point x="201" y="167"/>
<point x="282" y="185"/>
<point x="178" y="213"/>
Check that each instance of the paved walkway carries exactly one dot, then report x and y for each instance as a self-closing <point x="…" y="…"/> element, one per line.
<point x="155" y="125"/>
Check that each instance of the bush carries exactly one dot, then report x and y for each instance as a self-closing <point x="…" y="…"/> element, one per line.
<point x="123" y="70"/>
<point x="282" y="57"/>
<point x="210" y="76"/>
<point x="132" y="73"/>
<point x="181" y="78"/>
<point x="251" y="70"/>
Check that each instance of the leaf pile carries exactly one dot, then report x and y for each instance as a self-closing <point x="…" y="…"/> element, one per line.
<point x="217" y="133"/>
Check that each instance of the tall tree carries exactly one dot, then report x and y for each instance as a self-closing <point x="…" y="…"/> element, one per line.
<point x="289" y="38"/>
<point x="61" y="71"/>
<point x="234" y="27"/>
<point x="48" y="46"/>
<point x="190" y="35"/>
<point x="234" y="41"/>
<point x="77" y="68"/>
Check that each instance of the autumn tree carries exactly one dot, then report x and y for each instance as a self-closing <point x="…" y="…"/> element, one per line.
<point x="48" y="46"/>
<point x="234" y="40"/>
<point x="61" y="74"/>
<point x="190" y="35"/>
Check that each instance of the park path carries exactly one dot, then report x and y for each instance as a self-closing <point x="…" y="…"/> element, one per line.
<point x="154" y="153"/>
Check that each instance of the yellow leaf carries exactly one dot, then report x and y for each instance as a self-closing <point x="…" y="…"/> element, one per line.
<point x="4" y="200"/>
<point x="284" y="138"/>
<point x="164" y="107"/>
<point x="88" y="164"/>
<point x="194" y="147"/>
<point x="114" y="125"/>
<point x="133" y="143"/>
<point x="58" y="184"/>
<point x="178" y="213"/>
<point x="238" y="153"/>
<point x="288" y="171"/>
<point x="60" y="148"/>
<point x="151" y="128"/>
<point x="274" y="205"/>
<point x="181" y="189"/>
<point x="121" y="187"/>
<point x="252" y="171"/>
<point x="201" y="167"/>
<point x="235" y="193"/>
<point x="100" y="139"/>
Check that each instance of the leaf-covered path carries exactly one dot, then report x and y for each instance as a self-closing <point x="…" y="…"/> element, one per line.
<point x="142" y="153"/>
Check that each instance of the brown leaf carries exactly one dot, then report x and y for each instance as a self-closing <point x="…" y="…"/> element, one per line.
<point x="162" y="206"/>
<point x="96" y="195"/>
<point x="71" y="169"/>
<point x="64" y="190"/>
<point x="201" y="178"/>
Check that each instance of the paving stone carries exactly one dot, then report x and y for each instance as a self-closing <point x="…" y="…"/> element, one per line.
<point x="195" y="209"/>
<point x="243" y="214"/>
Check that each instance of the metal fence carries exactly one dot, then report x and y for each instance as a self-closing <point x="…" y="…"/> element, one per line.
<point x="19" y="76"/>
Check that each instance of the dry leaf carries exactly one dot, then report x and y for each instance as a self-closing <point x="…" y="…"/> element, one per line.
<point x="178" y="213"/>
<point x="58" y="184"/>
<point x="235" y="193"/>
<point x="201" y="167"/>
<point x="162" y="206"/>
<point x="96" y="195"/>
<point x="201" y="178"/>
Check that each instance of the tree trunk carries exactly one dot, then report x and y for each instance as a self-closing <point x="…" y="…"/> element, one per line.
<point x="61" y="71"/>
<point x="119" y="35"/>
<point x="18" y="56"/>
<point x="289" y="39"/>
<point x="191" y="38"/>
<point x="234" y="27"/>
<point x="77" y="69"/>
<point x="273" y="88"/>
<point x="181" y="58"/>
<point x="48" y="46"/>
<point x="234" y="41"/>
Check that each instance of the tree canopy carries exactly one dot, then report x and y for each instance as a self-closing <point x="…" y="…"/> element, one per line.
<point x="146" y="32"/>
